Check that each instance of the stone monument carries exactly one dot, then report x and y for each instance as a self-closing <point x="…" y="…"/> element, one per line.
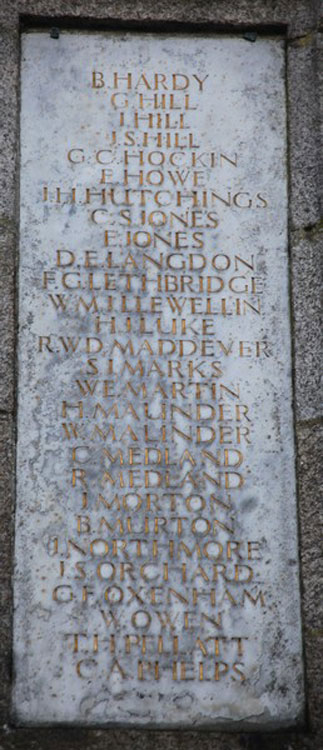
<point x="156" y="566"/>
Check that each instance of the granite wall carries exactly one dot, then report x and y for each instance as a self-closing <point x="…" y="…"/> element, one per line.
<point x="302" y="25"/>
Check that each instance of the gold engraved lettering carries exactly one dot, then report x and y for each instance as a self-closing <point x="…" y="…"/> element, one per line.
<point x="150" y="308"/>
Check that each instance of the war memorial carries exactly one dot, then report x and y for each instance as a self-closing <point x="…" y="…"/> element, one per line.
<point x="160" y="403"/>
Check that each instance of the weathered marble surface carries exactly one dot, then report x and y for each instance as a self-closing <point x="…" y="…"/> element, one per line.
<point x="61" y="679"/>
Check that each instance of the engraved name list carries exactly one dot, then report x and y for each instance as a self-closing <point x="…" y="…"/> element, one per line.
<point x="156" y="543"/>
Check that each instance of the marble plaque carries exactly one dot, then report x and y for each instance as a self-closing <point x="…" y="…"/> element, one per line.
<point x="156" y="568"/>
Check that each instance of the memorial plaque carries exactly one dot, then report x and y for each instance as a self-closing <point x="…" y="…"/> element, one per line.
<point x="156" y="578"/>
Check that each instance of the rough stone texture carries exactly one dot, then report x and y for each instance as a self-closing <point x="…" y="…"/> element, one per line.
<point x="7" y="325"/>
<point x="6" y="531"/>
<point x="9" y="57"/>
<point x="310" y="452"/>
<point x="306" y="269"/>
<point x="299" y="19"/>
<point x="266" y="489"/>
<point x="303" y="132"/>
<point x="319" y="68"/>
